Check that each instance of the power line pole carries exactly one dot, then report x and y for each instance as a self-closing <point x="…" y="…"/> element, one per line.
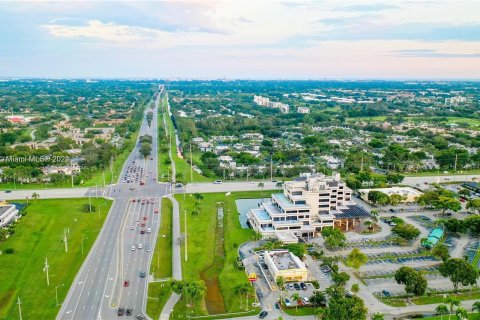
<point x="72" y="179"/>
<point x="186" y="256"/>
<point x="271" y="168"/>
<point x="456" y="159"/>
<point x="45" y="269"/>
<point x="361" y="166"/>
<point x="19" y="308"/>
<point x="90" y="203"/>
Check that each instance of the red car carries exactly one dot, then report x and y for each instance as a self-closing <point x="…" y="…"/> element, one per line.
<point x="142" y="232"/>
<point x="126" y="283"/>
<point x="143" y="224"/>
<point x="144" y="218"/>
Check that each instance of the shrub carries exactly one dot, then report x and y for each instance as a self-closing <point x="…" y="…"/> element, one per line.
<point x="9" y="251"/>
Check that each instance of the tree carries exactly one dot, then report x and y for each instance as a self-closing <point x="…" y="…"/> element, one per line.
<point x="378" y="197"/>
<point x="473" y="205"/>
<point x="177" y="286"/>
<point x="396" y="199"/>
<point x="295" y="297"/>
<point x="355" y="288"/>
<point x="318" y="299"/>
<point x="377" y="316"/>
<point x="476" y="306"/>
<point x="197" y="196"/>
<point x="441" y="251"/>
<point x="465" y="192"/>
<point x="473" y="224"/>
<point x="446" y="203"/>
<point x="356" y="259"/>
<point x="415" y="283"/>
<point x="441" y="310"/>
<point x="3" y="234"/>
<point x="280" y="281"/>
<point x="459" y="271"/>
<point x="461" y="314"/>
<point x="35" y="196"/>
<point x="406" y="231"/>
<point x="344" y="308"/>
<point x="340" y="278"/>
<point x="452" y="302"/>
<point x="261" y="185"/>
<point x="145" y="149"/>
<point x="243" y="290"/>
<point x="333" y="237"/>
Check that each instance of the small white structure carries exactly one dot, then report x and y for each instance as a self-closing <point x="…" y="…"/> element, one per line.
<point x="303" y="110"/>
<point x="283" y="263"/>
<point x="409" y="194"/>
<point x="8" y="213"/>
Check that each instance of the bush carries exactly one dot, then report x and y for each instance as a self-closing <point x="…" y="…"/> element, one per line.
<point x="9" y="251"/>
<point x="315" y="284"/>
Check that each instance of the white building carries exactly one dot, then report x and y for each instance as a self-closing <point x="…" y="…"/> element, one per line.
<point x="455" y="100"/>
<point x="306" y="206"/>
<point x="283" y="263"/>
<point x="8" y="213"/>
<point x="303" y="110"/>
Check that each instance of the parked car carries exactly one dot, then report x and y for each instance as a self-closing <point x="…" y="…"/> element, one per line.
<point x="305" y="300"/>
<point x="296" y="286"/>
<point x="290" y="286"/>
<point x="263" y="314"/>
<point x="287" y="303"/>
<point x="386" y="293"/>
<point x="303" y="286"/>
<point x="120" y="312"/>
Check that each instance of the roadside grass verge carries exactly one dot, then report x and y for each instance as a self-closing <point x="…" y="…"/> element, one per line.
<point x="158" y="294"/>
<point x="39" y="235"/>
<point x="201" y="245"/>
<point x="162" y="257"/>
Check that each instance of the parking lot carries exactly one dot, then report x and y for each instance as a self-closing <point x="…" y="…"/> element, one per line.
<point x="306" y="292"/>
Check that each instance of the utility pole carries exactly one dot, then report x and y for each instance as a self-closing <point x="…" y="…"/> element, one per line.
<point x="361" y="166"/>
<point x="65" y="239"/>
<point x="103" y="178"/>
<point x="191" y="163"/>
<point x="271" y="168"/>
<point x="456" y="159"/>
<point x="90" y="203"/>
<point x="45" y="269"/>
<point x="72" y="179"/>
<point x="19" y="308"/>
<point x="56" y="292"/>
<point x="186" y="256"/>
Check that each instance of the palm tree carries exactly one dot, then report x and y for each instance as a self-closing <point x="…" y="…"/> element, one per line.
<point x="242" y="290"/>
<point x="280" y="284"/>
<point x="319" y="312"/>
<point x="367" y="224"/>
<point x="452" y="302"/>
<point x="295" y="298"/>
<point x="461" y="313"/>
<point x="35" y="196"/>
<point x="441" y="310"/>
<point x="261" y="185"/>
<point x="476" y="306"/>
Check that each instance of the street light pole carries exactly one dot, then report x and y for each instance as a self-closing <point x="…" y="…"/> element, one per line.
<point x="65" y="239"/>
<point x="19" y="308"/>
<point x="45" y="269"/>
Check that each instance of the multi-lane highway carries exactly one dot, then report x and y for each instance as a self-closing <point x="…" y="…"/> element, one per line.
<point x="110" y="278"/>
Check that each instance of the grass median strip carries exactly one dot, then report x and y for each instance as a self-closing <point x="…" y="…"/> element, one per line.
<point x="39" y="235"/>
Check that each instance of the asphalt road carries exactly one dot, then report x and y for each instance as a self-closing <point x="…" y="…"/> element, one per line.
<point x="98" y="289"/>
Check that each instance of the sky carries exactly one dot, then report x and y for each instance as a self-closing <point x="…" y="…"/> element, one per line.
<point x="248" y="39"/>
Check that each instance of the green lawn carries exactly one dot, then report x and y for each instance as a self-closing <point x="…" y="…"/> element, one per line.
<point x="182" y="167"/>
<point x="158" y="294"/>
<point x="304" y="311"/>
<point x="201" y="244"/>
<point x="440" y="299"/>
<point x="162" y="257"/>
<point x="38" y="236"/>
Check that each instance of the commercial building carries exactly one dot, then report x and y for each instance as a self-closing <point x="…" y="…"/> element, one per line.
<point x="306" y="206"/>
<point x="408" y="194"/>
<point x="303" y="110"/>
<point x="285" y="264"/>
<point x="8" y="213"/>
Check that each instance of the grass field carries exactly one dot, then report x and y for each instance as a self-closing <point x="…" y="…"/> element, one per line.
<point x="440" y="299"/>
<point x="471" y="316"/>
<point x="201" y="243"/>
<point x="158" y="294"/>
<point x="38" y="235"/>
<point x="182" y="167"/>
<point x="162" y="257"/>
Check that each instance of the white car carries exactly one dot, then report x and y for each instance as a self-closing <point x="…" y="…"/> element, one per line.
<point x="133" y="248"/>
<point x="139" y="246"/>
<point x="218" y="182"/>
<point x="149" y="249"/>
<point x="149" y="230"/>
<point x="132" y="228"/>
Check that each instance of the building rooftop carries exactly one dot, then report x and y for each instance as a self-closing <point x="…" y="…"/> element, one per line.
<point x="284" y="202"/>
<point x="4" y="209"/>
<point x="284" y="260"/>
<point x="351" y="211"/>
<point x="261" y="214"/>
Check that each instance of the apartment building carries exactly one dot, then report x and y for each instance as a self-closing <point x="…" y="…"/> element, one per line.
<point x="8" y="213"/>
<point x="307" y="205"/>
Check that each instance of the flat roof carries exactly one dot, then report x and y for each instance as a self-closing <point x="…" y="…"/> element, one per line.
<point x="284" y="202"/>
<point x="394" y="190"/>
<point x="4" y="209"/>
<point x="261" y="214"/>
<point x="283" y="260"/>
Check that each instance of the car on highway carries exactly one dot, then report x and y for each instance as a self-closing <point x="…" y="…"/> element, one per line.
<point x="142" y="225"/>
<point x="144" y="218"/>
<point x="142" y="274"/>
<point x="8" y="191"/>
<point x="133" y="248"/>
<point x="263" y="314"/>
<point x="132" y="228"/>
<point x="149" y="249"/>
<point x="156" y="211"/>
<point x="149" y="230"/>
<point x="142" y="232"/>
<point x="129" y="312"/>
<point x="140" y="317"/>
<point x="219" y="182"/>
<point x="120" y="312"/>
<point x="140" y="246"/>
